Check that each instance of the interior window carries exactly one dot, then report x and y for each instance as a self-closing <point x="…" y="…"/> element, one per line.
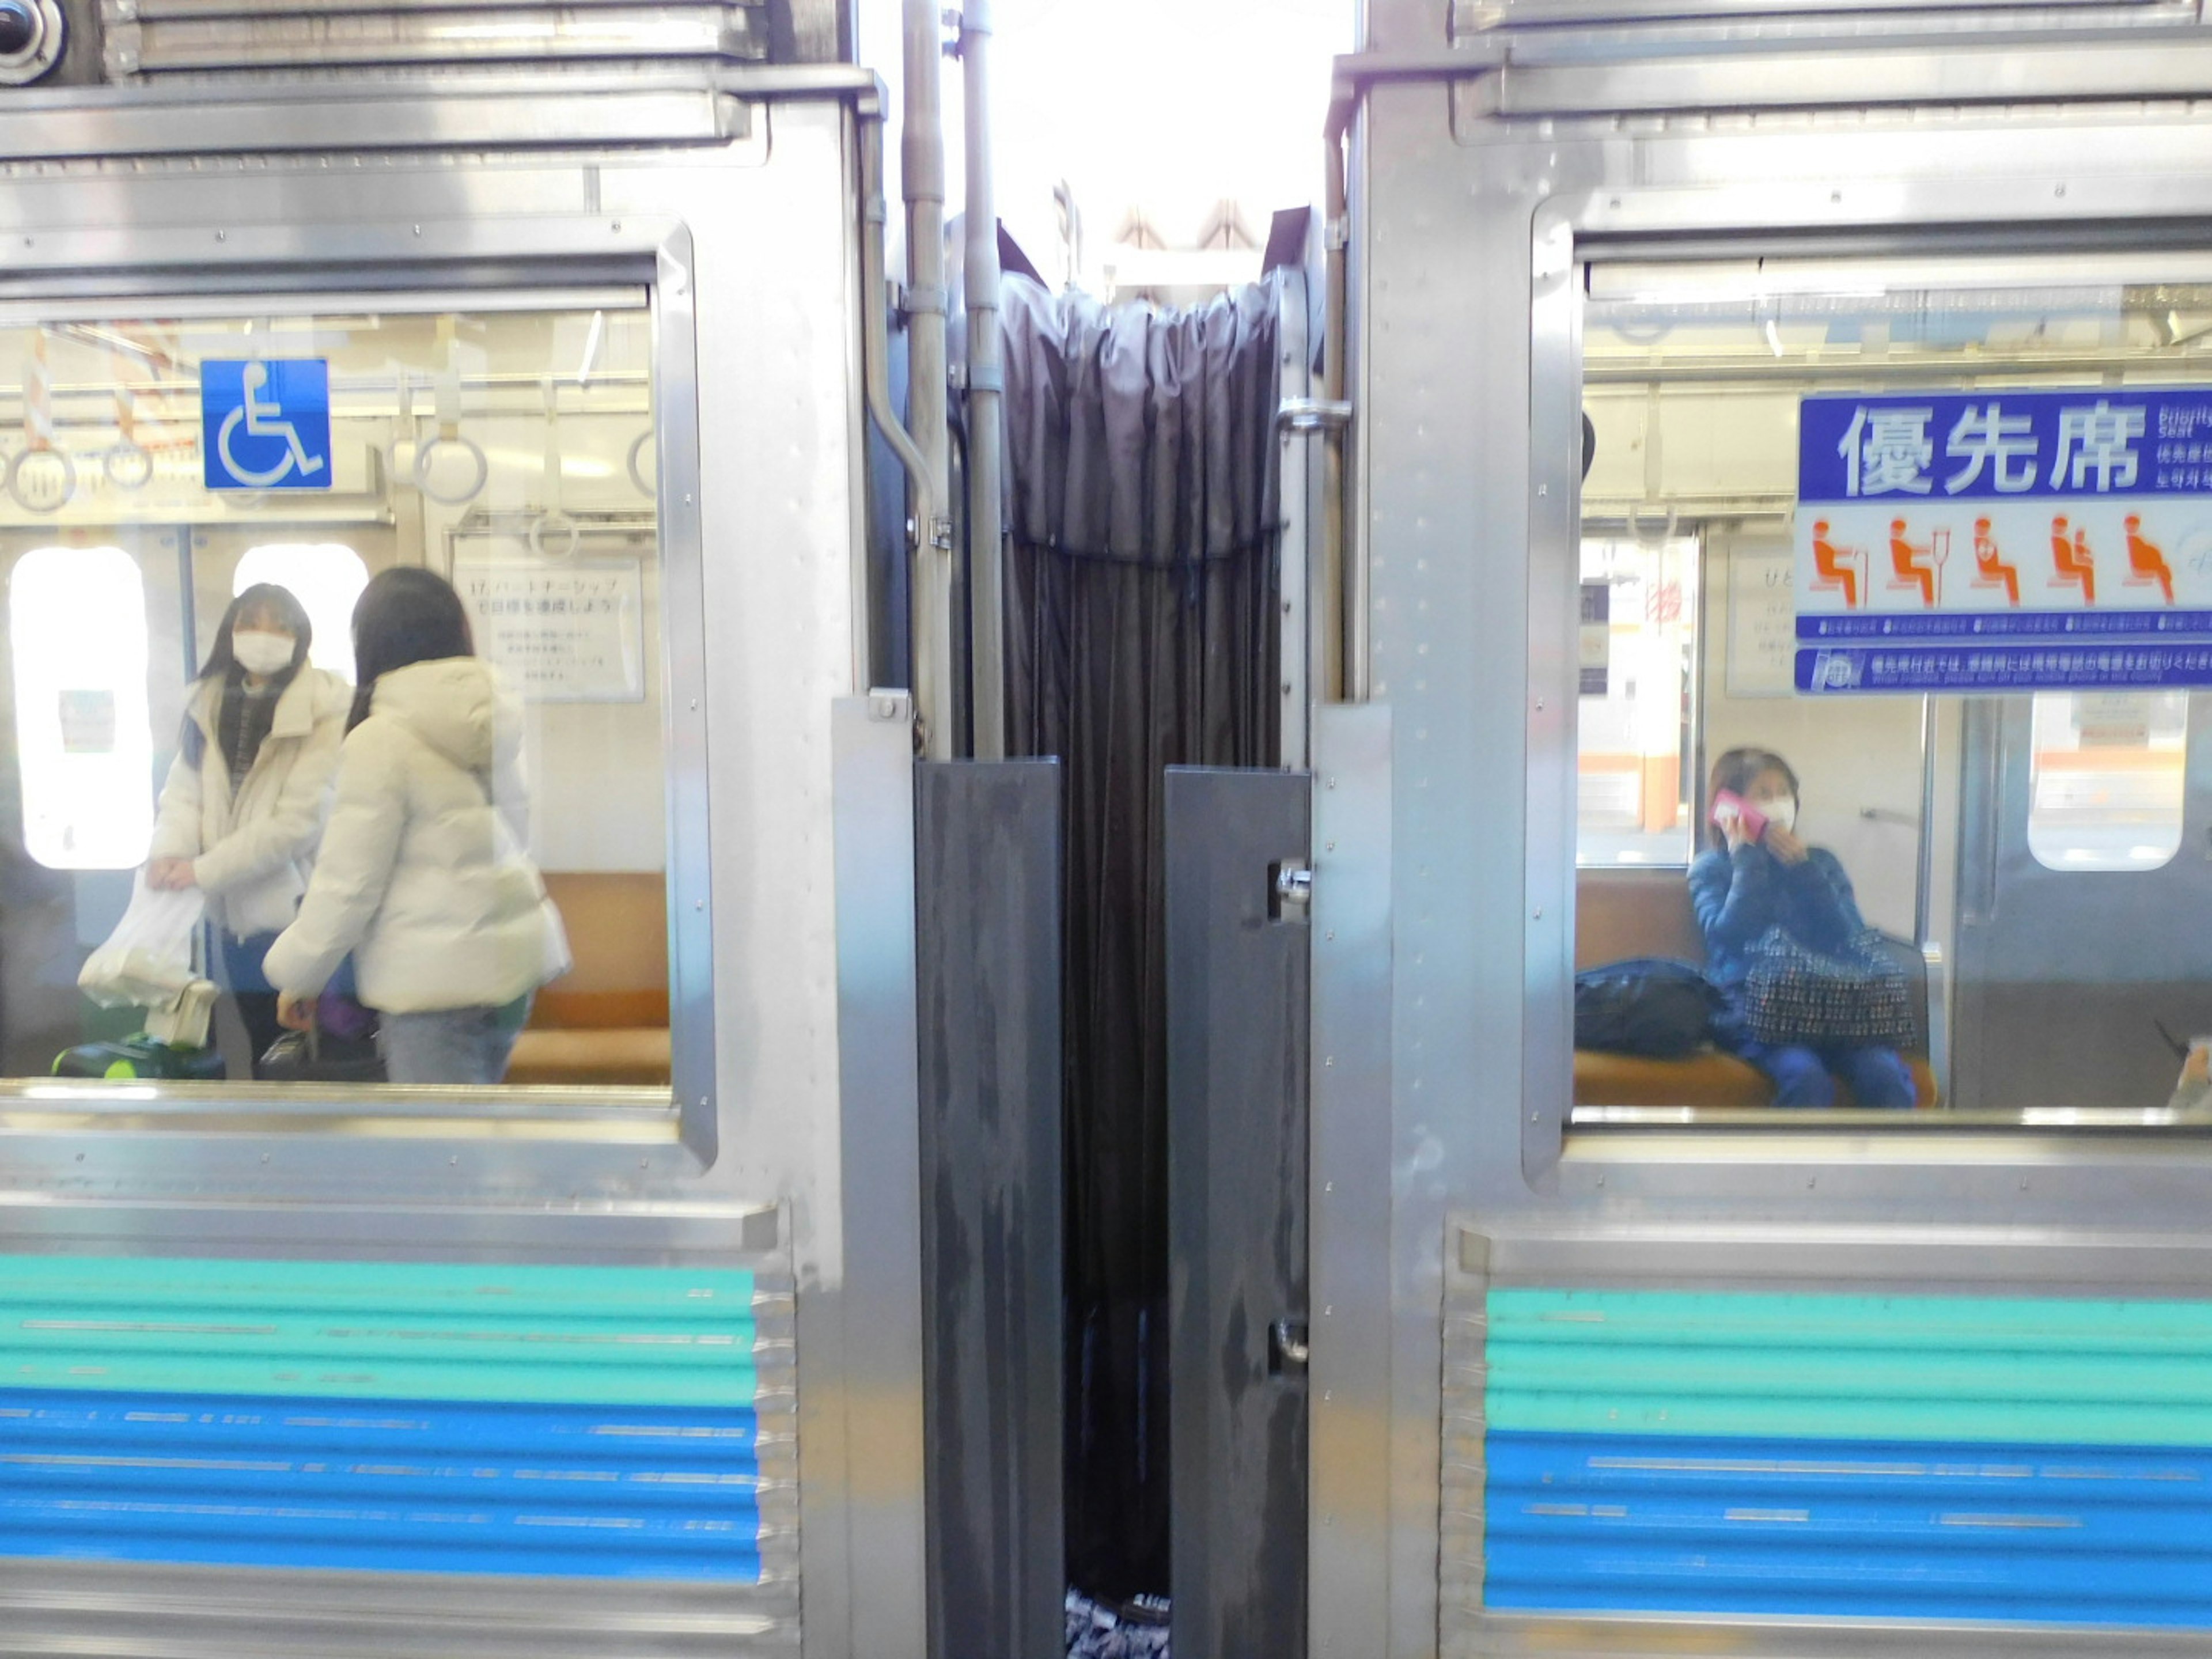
<point x="1954" y="527"/>
<point x="2109" y="779"/>
<point x="327" y="577"/>
<point x="77" y="620"/>
<point x="176" y="467"/>
<point x="1636" y="699"/>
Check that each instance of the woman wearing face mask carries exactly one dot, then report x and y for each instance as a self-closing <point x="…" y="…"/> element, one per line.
<point x="244" y="805"/>
<point x="422" y="875"/>
<point x="1757" y="876"/>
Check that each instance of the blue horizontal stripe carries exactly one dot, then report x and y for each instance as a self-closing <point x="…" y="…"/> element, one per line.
<point x="395" y="1486"/>
<point x="2038" y="1534"/>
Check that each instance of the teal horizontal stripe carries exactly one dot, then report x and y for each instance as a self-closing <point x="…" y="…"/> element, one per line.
<point x="543" y="1335"/>
<point x="2032" y="1369"/>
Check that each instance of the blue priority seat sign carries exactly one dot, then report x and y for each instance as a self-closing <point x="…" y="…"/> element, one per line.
<point x="2004" y="540"/>
<point x="266" y="424"/>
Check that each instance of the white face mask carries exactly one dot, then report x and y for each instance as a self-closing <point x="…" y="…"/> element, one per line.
<point x="1782" y="811"/>
<point x="259" y="651"/>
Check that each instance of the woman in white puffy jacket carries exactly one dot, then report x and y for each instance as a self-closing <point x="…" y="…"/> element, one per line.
<point x="244" y="804"/>
<point x="423" y="876"/>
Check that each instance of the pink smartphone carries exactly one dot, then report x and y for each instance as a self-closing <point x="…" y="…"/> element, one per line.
<point x="1728" y="805"/>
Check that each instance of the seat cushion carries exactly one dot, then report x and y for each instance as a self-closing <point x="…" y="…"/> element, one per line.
<point x="616" y="1056"/>
<point x="1708" y="1078"/>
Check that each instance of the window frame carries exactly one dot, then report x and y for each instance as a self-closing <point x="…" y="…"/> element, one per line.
<point x="505" y="264"/>
<point x="1649" y="227"/>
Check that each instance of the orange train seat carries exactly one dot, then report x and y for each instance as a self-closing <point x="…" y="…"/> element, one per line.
<point x="605" y="1023"/>
<point x="1620" y="914"/>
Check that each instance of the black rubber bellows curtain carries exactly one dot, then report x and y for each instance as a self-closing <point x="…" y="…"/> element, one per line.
<point x="1142" y="618"/>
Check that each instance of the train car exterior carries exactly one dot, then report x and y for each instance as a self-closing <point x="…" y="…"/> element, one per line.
<point x="536" y="1368"/>
<point x="1655" y="1373"/>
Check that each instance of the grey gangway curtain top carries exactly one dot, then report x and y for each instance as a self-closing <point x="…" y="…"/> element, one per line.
<point x="1141" y="633"/>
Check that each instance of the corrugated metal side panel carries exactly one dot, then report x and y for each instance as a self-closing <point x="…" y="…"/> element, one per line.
<point x="1840" y="19"/>
<point x="1460" y="1544"/>
<point x="546" y="1420"/>
<point x="2011" y="1460"/>
<point x="151" y="37"/>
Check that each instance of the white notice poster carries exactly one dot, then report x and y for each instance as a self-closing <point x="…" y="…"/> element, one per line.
<point x="1762" y="620"/>
<point x="562" y="633"/>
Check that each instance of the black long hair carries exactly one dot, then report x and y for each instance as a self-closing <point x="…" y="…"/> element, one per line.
<point x="282" y="607"/>
<point x="405" y="615"/>
<point x="1736" y="772"/>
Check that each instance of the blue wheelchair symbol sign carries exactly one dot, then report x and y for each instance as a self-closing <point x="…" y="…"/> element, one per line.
<point x="266" y="424"/>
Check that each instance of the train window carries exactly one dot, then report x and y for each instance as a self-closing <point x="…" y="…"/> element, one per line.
<point x="474" y="859"/>
<point x="1954" y="520"/>
<point x="76" y="628"/>
<point x="1635" y="699"/>
<point x="2108" y="779"/>
<point x="326" y="577"/>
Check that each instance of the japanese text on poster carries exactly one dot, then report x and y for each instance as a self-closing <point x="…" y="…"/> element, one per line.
<point x="570" y="633"/>
<point x="1762" y="621"/>
<point x="2004" y="540"/>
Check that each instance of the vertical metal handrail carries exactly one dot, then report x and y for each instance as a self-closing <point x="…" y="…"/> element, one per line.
<point x="875" y="355"/>
<point x="1344" y="573"/>
<point x="986" y="379"/>
<point x="921" y="186"/>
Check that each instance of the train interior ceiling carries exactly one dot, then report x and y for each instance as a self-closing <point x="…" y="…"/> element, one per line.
<point x="2045" y="853"/>
<point x="506" y="444"/>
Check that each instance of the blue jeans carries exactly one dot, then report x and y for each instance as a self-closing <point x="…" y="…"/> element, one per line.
<point x="250" y="990"/>
<point x="451" y="1045"/>
<point x="1879" y="1078"/>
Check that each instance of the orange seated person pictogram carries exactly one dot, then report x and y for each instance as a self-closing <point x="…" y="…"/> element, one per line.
<point x="1990" y="569"/>
<point x="2070" y="556"/>
<point x="1905" y="559"/>
<point x="2147" y="561"/>
<point x="1834" y="565"/>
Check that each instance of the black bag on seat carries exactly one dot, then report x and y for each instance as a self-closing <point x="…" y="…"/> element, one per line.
<point x="319" y="1057"/>
<point x="1649" y="1005"/>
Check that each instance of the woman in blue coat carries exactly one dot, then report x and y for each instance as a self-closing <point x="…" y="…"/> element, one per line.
<point x="1754" y="876"/>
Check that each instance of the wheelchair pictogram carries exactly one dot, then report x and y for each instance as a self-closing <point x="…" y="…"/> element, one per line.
<point x="266" y="425"/>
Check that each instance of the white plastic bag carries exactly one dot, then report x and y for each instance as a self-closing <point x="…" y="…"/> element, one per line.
<point x="148" y="960"/>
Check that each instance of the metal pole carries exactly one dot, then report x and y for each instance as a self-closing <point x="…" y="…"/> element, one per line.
<point x="986" y="395"/>
<point x="921" y="183"/>
<point x="876" y="362"/>
<point x="1924" y="880"/>
<point x="1344" y="570"/>
<point x="187" y="603"/>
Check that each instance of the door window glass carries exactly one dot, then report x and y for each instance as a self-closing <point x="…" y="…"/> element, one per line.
<point x="1972" y="648"/>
